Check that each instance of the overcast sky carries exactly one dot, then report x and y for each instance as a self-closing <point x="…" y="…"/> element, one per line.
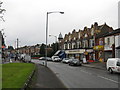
<point x="26" y="19"/>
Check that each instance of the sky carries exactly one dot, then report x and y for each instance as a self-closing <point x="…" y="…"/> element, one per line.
<point x="26" y="19"/>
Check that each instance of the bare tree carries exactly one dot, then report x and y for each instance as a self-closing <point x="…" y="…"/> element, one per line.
<point x="1" y="12"/>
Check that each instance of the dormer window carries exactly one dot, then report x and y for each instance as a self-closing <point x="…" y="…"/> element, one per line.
<point x="74" y="38"/>
<point x="86" y="35"/>
<point x="69" y="38"/>
<point x="79" y="36"/>
<point x="92" y="31"/>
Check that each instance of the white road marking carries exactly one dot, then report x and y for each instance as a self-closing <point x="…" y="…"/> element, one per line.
<point x="101" y="77"/>
<point x="108" y="79"/>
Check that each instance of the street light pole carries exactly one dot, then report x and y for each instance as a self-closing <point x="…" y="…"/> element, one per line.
<point x="47" y="33"/>
<point x="46" y="39"/>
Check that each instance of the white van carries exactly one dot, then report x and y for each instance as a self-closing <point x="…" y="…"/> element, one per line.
<point x="113" y="65"/>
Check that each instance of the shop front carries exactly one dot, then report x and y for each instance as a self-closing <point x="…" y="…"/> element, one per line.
<point x="89" y="55"/>
<point x="99" y="53"/>
<point x="76" y="53"/>
<point x="80" y="54"/>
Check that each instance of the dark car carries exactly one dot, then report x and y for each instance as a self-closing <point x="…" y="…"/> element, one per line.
<point x="75" y="62"/>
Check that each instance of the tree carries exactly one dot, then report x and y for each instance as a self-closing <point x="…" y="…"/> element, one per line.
<point x="42" y="50"/>
<point x="55" y="47"/>
<point x="1" y="11"/>
<point x="10" y="48"/>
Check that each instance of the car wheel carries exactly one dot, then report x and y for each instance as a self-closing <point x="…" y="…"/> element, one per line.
<point x="110" y="70"/>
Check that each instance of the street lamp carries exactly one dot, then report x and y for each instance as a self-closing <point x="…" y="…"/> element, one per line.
<point x="55" y="37"/>
<point x="47" y="33"/>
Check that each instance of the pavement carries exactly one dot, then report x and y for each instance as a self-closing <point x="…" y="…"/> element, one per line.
<point x="12" y="61"/>
<point x="97" y="65"/>
<point x="45" y="78"/>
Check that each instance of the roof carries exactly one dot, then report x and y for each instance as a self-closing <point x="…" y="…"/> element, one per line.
<point x="60" y="36"/>
<point x="113" y="32"/>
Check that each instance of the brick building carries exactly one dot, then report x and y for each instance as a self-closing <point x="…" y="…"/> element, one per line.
<point x="87" y="43"/>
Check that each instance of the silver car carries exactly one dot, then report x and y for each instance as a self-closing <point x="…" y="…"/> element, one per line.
<point x="65" y="60"/>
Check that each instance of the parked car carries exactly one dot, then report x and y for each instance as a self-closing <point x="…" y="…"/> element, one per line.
<point x="48" y="59"/>
<point x="75" y="62"/>
<point x="113" y="65"/>
<point x="44" y="58"/>
<point x="66" y="60"/>
<point x="56" y="59"/>
<point x="27" y="58"/>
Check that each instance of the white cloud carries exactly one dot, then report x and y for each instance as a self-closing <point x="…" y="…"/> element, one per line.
<point x="25" y="19"/>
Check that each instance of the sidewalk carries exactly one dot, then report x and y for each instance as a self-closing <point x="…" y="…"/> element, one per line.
<point x="13" y="61"/>
<point x="97" y="65"/>
<point x="45" y="78"/>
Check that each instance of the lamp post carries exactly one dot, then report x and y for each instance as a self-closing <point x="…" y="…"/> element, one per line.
<point x="55" y="38"/>
<point x="47" y="32"/>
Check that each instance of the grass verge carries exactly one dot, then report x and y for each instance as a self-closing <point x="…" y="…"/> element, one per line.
<point x="0" y="76"/>
<point x="14" y="75"/>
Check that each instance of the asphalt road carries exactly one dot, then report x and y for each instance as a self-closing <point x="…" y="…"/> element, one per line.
<point x="83" y="77"/>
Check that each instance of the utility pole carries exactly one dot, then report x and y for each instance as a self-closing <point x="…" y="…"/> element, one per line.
<point x="17" y="43"/>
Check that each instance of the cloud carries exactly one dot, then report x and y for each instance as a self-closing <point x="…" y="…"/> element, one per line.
<point x="26" y="19"/>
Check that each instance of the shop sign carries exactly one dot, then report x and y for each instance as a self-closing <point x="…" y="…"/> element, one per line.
<point x="99" y="47"/>
<point x="86" y="53"/>
<point x="89" y="50"/>
<point x="75" y="51"/>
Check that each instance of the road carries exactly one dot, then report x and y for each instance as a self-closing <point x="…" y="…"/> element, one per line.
<point x="83" y="77"/>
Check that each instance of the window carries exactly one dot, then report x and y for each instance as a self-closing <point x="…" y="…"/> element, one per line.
<point x="92" y="32"/>
<point x="100" y="41"/>
<point x="118" y="63"/>
<point x="83" y="44"/>
<point x="69" y="46"/>
<point x="78" y="44"/>
<point x="79" y="35"/>
<point x="73" y="45"/>
<point x="86" y="35"/>
<point x="86" y="43"/>
<point x="108" y="41"/>
<point x="69" y="37"/>
<point x="64" y="46"/>
<point x="91" y="43"/>
<point x="74" y="38"/>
